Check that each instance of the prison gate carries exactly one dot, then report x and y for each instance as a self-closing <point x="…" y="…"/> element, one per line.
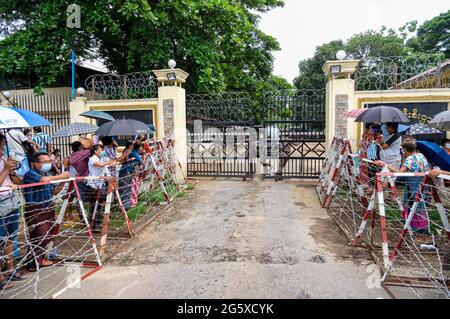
<point x="406" y="232"/>
<point x="232" y="135"/>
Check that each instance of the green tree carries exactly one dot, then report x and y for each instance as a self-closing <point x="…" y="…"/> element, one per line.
<point x="433" y="36"/>
<point x="217" y="41"/>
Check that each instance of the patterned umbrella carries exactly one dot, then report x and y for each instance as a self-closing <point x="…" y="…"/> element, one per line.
<point x="355" y="113"/>
<point x="441" y="121"/>
<point x="75" y="129"/>
<point x="422" y="129"/>
<point x="382" y="114"/>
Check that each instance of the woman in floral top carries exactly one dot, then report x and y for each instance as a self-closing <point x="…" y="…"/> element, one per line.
<point x="415" y="163"/>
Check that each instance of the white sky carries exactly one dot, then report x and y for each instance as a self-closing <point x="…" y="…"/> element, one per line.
<point x="300" y="26"/>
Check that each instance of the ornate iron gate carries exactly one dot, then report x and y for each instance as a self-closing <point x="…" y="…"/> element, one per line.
<point x="219" y="136"/>
<point x="284" y="131"/>
<point x="295" y="122"/>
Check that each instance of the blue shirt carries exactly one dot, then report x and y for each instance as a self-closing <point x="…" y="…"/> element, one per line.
<point x="133" y="159"/>
<point x="42" y="140"/>
<point x="37" y="194"/>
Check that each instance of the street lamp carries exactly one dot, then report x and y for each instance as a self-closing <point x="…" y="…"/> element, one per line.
<point x="172" y="64"/>
<point x="75" y="45"/>
<point x="81" y="91"/>
<point x="341" y="55"/>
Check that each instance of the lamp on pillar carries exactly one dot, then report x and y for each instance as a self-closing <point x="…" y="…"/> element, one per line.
<point x="7" y="95"/>
<point x="171" y="76"/>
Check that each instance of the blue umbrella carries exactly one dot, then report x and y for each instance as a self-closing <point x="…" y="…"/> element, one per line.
<point x="98" y="115"/>
<point x="11" y="117"/>
<point x="435" y="154"/>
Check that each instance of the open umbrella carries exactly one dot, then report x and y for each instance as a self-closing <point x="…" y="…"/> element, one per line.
<point x="75" y="129"/>
<point x="435" y="155"/>
<point x="354" y="113"/>
<point x="124" y="128"/>
<point x="422" y="129"/>
<point x="382" y="114"/>
<point x="12" y="117"/>
<point x="441" y="121"/>
<point x="98" y="115"/>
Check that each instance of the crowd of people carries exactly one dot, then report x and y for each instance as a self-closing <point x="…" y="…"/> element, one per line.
<point x="399" y="154"/>
<point x="33" y="160"/>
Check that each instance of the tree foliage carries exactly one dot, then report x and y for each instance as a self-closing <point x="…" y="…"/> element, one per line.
<point x="217" y="41"/>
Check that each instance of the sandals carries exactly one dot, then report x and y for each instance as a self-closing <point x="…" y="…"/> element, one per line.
<point x="16" y="276"/>
<point x="33" y="269"/>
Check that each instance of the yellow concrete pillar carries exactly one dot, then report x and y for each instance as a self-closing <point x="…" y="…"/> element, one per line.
<point x="340" y="99"/>
<point x="171" y="110"/>
<point x="78" y="106"/>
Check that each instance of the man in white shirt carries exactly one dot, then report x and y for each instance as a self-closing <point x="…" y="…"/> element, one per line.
<point x="97" y="165"/>
<point x="391" y="147"/>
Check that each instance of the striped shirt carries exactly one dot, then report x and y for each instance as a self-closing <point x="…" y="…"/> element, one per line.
<point x="42" y="140"/>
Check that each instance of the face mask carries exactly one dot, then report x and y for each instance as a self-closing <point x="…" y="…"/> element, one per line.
<point x="46" y="167"/>
<point x="447" y="145"/>
<point x="102" y="154"/>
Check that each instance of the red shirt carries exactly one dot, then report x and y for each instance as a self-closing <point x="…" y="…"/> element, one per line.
<point x="79" y="160"/>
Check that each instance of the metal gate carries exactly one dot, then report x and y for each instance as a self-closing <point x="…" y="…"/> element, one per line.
<point x="229" y="134"/>
<point x="295" y="123"/>
<point x="219" y="136"/>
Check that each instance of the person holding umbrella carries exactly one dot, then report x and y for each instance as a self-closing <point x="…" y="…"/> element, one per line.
<point x="9" y="217"/>
<point x="391" y="146"/>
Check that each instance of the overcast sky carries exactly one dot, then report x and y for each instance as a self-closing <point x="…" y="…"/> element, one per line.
<point x="300" y="25"/>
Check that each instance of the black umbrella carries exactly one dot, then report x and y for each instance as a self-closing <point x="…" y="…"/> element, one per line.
<point x="123" y="127"/>
<point x="441" y="121"/>
<point x="382" y="114"/>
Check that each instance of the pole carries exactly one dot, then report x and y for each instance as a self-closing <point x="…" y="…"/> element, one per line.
<point x="73" y="73"/>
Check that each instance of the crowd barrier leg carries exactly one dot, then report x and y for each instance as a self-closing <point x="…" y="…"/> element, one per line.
<point x="367" y="214"/>
<point x="57" y="225"/>
<point x="440" y="207"/>
<point x="159" y="177"/>
<point x="124" y="213"/>
<point x="89" y="229"/>
<point x="106" y="217"/>
<point x="94" y="213"/>
<point x="383" y="222"/>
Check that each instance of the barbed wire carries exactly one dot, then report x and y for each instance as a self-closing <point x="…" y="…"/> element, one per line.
<point x="411" y="72"/>
<point x="137" y="85"/>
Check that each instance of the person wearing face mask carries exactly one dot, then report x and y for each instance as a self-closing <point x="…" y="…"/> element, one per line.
<point x="446" y="145"/>
<point x="9" y="218"/>
<point x="40" y="208"/>
<point x="96" y="188"/>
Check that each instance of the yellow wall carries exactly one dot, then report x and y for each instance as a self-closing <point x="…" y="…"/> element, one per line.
<point x="396" y="96"/>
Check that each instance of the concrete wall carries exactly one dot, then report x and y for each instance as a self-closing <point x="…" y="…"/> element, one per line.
<point x="341" y="98"/>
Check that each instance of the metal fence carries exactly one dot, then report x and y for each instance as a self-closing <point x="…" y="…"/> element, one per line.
<point x="410" y="72"/>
